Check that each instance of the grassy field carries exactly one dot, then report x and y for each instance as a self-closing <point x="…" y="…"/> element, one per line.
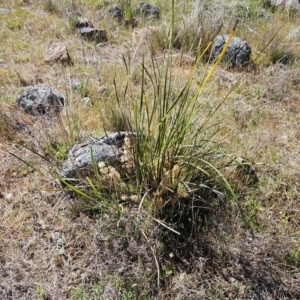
<point x="206" y="205"/>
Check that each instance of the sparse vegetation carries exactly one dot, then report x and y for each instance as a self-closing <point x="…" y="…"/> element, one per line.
<point x="42" y="293"/>
<point x="204" y="203"/>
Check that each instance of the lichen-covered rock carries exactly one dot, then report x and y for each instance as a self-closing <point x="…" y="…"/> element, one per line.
<point x="41" y="100"/>
<point x="81" y="157"/>
<point x="238" y="53"/>
<point x="93" y="35"/>
<point x="116" y="13"/>
<point x="148" y="10"/>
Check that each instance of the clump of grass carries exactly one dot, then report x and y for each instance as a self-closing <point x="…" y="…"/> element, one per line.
<point x="42" y="293"/>
<point x="51" y="7"/>
<point x="20" y="17"/>
<point x="115" y="120"/>
<point x="292" y="258"/>
<point x="282" y="56"/>
<point x="173" y="148"/>
<point x="202" y="23"/>
<point x="171" y="160"/>
<point x="128" y="12"/>
<point x="59" y="150"/>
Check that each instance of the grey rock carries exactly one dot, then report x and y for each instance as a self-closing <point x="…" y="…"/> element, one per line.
<point x="4" y="11"/>
<point x="93" y="35"/>
<point x="81" y="156"/>
<point x="116" y="13"/>
<point x="41" y="100"/>
<point x="238" y="53"/>
<point x="148" y="10"/>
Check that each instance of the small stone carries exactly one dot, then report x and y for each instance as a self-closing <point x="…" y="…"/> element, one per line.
<point x="8" y="196"/>
<point x="116" y="13"/>
<point x="93" y="35"/>
<point x="58" y="52"/>
<point x="238" y="53"/>
<point x="4" y="11"/>
<point x="41" y="100"/>
<point x="148" y="10"/>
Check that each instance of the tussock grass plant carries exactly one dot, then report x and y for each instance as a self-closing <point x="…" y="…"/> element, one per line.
<point x="173" y="147"/>
<point x="172" y="156"/>
<point x="292" y="259"/>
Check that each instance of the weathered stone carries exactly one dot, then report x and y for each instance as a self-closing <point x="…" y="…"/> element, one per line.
<point x="58" y="52"/>
<point x="116" y="13"/>
<point x="93" y="35"/>
<point x="4" y="11"/>
<point x="41" y="101"/>
<point x="238" y="53"/>
<point x="148" y="10"/>
<point x="82" y="158"/>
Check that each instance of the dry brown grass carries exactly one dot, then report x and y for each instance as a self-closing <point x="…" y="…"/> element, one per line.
<point x="51" y="249"/>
